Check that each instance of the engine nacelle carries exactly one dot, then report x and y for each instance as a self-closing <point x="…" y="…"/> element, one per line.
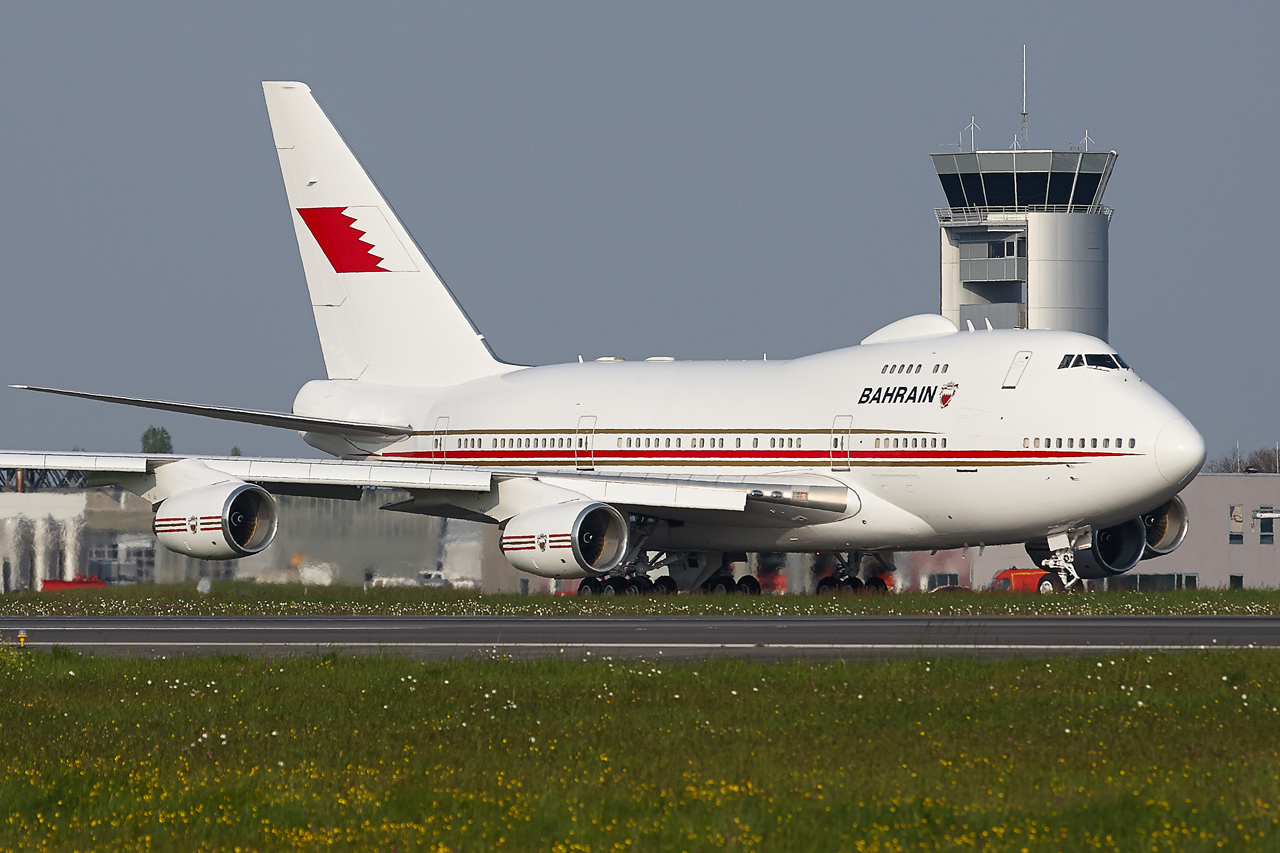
<point x="578" y="539"/>
<point x="1166" y="527"/>
<point x="1112" y="550"/>
<point x="220" y="522"/>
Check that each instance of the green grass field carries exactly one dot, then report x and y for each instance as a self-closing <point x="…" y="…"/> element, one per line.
<point x="238" y="598"/>
<point x="1140" y="752"/>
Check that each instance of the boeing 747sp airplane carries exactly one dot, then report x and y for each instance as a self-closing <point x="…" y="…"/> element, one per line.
<point x="631" y="474"/>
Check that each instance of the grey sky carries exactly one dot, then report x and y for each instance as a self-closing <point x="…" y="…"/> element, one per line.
<point x="697" y="180"/>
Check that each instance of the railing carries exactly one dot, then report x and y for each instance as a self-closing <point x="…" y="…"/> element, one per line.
<point x="953" y="215"/>
<point x="15" y="480"/>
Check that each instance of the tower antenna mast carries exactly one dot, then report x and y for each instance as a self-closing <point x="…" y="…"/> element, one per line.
<point x="1024" y="96"/>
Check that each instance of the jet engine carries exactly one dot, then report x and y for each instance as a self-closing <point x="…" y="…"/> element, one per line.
<point x="219" y="522"/>
<point x="1112" y="550"/>
<point x="1166" y="527"/>
<point x="577" y="539"/>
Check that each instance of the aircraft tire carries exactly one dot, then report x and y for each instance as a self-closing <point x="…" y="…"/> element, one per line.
<point x="827" y="586"/>
<point x="748" y="585"/>
<point x="852" y="585"/>
<point x="590" y="586"/>
<point x="615" y="586"/>
<point x="665" y="586"/>
<point x="721" y="585"/>
<point x="1048" y="584"/>
<point x="877" y="586"/>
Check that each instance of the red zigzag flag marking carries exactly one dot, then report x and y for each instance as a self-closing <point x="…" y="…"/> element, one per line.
<point x="340" y="239"/>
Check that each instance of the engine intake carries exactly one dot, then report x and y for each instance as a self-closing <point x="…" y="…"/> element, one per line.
<point x="577" y="539"/>
<point x="1166" y="527"/>
<point x="220" y="522"/>
<point x="1112" y="550"/>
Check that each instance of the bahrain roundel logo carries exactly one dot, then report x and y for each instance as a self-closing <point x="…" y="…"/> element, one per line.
<point x="542" y="541"/>
<point x="947" y="392"/>
<point x="193" y="524"/>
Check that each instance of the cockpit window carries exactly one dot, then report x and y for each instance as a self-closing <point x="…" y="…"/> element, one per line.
<point x="1105" y="360"/>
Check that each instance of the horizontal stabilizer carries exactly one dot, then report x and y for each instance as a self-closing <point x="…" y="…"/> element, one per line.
<point x="244" y="416"/>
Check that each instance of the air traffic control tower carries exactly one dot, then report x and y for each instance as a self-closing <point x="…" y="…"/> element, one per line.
<point x="1024" y="240"/>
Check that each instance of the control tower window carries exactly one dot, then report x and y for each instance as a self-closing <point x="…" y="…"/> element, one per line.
<point x="1086" y="188"/>
<point x="999" y="189"/>
<point x="995" y="249"/>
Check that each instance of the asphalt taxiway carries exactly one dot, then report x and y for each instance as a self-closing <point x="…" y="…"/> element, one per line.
<point x="668" y="637"/>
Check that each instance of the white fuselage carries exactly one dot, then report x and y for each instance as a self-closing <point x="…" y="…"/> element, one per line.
<point x="936" y="450"/>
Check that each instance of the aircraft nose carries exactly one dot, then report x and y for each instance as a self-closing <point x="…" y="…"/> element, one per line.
<point x="1179" y="451"/>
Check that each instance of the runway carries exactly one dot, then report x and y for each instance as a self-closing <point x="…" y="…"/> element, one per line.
<point x="666" y="637"/>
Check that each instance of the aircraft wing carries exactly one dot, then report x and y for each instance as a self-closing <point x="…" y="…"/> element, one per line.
<point x="120" y="467"/>
<point x="245" y="416"/>
<point x="343" y="477"/>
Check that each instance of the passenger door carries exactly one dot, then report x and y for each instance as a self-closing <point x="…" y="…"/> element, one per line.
<point x="584" y="443"/>
<point x="440" y="439"/>
<point x="1020" y="362"/>
<point x="841" y="441"/>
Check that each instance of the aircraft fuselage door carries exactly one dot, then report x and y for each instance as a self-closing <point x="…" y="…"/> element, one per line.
<point x="1020" y="362"/>
<point x="841" y="442"/>
<point x="440" y="439"/>
<point x="584" y="443"/>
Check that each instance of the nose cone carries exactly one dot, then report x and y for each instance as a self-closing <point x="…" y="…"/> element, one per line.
<point x="1179" y="451"/>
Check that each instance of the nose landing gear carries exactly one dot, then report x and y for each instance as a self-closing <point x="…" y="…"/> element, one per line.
<point x="1061" y="566"/>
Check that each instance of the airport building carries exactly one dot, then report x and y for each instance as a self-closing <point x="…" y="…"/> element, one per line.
<point x="1023" y="240"/>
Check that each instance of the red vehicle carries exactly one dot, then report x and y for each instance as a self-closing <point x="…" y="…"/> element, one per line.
<point x="1025" y="580"/>
<point x="78" y="582"/>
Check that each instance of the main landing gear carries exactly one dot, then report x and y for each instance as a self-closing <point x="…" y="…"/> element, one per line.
<point x="844" y="577"/>
<point x="687" y="571"/>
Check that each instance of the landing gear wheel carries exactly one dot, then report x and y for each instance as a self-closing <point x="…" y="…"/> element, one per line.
<point x="721" y="585"/>
<point x="748" y="585"/>
<point x="664" y="586"/>
<point x="827" y="586"/>
<point x="851" y="585"/>
<point x="1048" y="584"/>
<point x="590" y="586"/>
<point x="877" y="586"/>
<point x="615" y="586"/>
<point x="632" y="586"/>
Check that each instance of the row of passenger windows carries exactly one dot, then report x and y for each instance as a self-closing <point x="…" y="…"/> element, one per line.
<point x="1077" y="442"/>
<point x="700" y="443"/>
<point x="892" y="443"/>
<point x="505" y="443"/>
<point x="561" y="443"/>
<point x="912" y="368"/>
<point x="1105" y="360"/>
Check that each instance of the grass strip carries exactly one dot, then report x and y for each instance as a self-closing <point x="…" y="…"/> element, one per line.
<point x="245" y="598"/>
<point x="1135" y="752"/>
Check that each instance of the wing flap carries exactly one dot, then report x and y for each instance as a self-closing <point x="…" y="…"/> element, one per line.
<point x="655" y="494"/>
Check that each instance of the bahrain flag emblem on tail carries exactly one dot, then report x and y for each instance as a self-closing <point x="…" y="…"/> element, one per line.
<point x="357" y="239"/>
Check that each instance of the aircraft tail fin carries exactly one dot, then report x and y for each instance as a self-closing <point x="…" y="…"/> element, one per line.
<point x="383" y="313"/>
